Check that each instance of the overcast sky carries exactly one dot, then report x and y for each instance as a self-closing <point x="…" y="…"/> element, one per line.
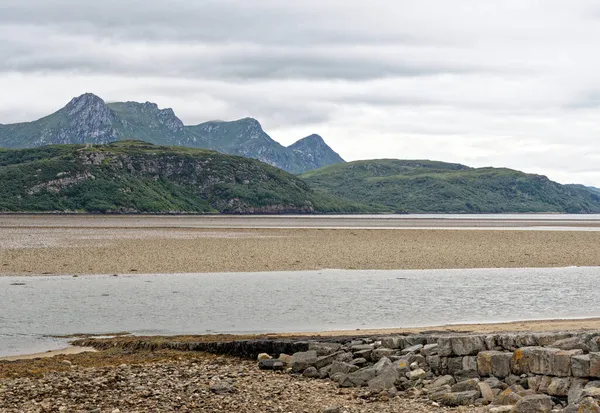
<point x="511" y="83"/>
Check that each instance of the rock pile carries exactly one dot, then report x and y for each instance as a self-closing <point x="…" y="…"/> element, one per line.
<point x="518" y="373"/>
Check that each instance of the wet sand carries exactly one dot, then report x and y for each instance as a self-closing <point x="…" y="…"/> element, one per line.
<point x="38" y="245"/>
<point x="52" y="353"/>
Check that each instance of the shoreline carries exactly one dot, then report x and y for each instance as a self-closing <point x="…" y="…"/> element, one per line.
<point x="550" y="325"/>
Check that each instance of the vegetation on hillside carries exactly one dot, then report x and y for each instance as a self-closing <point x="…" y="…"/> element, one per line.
<point x="134" y="176"/>
<point x="428" y="186"/>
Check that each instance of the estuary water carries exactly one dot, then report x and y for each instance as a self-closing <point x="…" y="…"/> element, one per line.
<point x="33" y="309"/>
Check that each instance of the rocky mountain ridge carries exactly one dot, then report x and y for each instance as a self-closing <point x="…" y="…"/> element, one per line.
<point x="87" y="119"/>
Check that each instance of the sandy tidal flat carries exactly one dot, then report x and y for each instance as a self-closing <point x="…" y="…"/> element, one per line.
<point x="104" y="245"/>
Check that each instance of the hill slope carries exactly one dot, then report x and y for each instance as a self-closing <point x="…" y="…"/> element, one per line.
<point x="134" y="176"/>
<point x="88" y="119"/>
<point x="427" y="186"/>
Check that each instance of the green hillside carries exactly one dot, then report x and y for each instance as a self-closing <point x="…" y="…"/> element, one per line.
<point x="428" y="186"/>
<point x="134" y="176"/>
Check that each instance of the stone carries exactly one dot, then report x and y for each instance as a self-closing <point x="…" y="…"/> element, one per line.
<point x="486" y="391"/>
<point x="442" y="381"/>
<point x="311" y="372"/>
<point x="430" y="349"/>
<point x="303" y="360"/>
<point x="471" y="384"/>
<point x="576" y="390"/>
<point x="366" y="354"/>
<point x="359" y="378"/>
<point x="591" y="392"/>
<point x="263" y="356"/>
<point x="324" y="372"/>
<point x="460" y="399"/>
<point x="271" y="364"/>
<point x="386" y="379"/>
<point x="536" y="360"/>
<point x="361" y="347"/>
<point x="580" y="365"/>
<point x="560" y="362"/>
<point x="467" y="345"/>
<point x="571" y="343"/>
<point x="360" y="362"/>
<point x="222" y="387"/>
<point x="392" y="342"/>
<point x="324" y="349"/>
<point x="494" y="363"/>
<point x="501" y="409"/>
<point x="418" y="374"/>
<point x="469" y="363"/>
<point x="463" y="375"/>
<point x="592" y="384"/>
<point x="544" y="384"/>
<point x="325" y="360"/>
<point x="594" y="364"/>
<point x="491" y="341"/>
<point x="413" y="349"/>
<point x="454" y="364"/>
<point x="340" y="367"/>
<point x="402" y="365"/>
<point x="507" y="397"/>
<point x="381" y="364"/>
<point x="438" y="393"/>
<point x="588" y="405"/>
<point x="380" y="353"/>
<point x="434" y="363"/>
<point x="493" y="382"/>
<point x="333" y="409"/>
<point x="559" y="386"/>
<point x="538" y="403"/>
<point x="286" y="358"/>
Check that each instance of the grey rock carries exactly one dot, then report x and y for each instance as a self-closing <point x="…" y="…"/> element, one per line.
<point x="382" y="364"/>
<point x="303" y="360"/>
<point x="470" y="384"/>
<point x="324" y="349"/>
<point x="576" y="390"/>
<point x="455" y="364"/>
<point x="467" y="345"/>
<point x="359" y="378"/>
<point x="442" y="381"/>
<point x="486" y="391"/>
<point x="339" y="367"/>
<point x="493" y="382"/>
<point x="366" y="354"/>
<point x="494" y="363"/>
<point x="394" y="342"/>
<point x="559" y="386"/>
<point x="311" y="372"/>
<point x="594" y="364"/>
<point x="430" y="349"/>
<point x="538" y="403"/>
<point x="326" y="360"/>
<point x="413" y="349"/>
<point x="332" y="409"/>
<point x="324" y="372"/>
<point x="418" y="374"/>
<point x="571" y="343"/>
<point x="222" y="387"/>
<point x="469" y="363"/>
<point x="380" y="353"/>
<point x="460" y="399"/>
<point x="463" y="375"/>
<point x="387" y="378"/>
<point x="360" y="362"/>
<point x="580" y="365"/>
<point x="271" y="364"/>
<point x="587" y="405"/>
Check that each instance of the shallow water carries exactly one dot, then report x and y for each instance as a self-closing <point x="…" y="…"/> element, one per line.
<point x="284" y="301"/>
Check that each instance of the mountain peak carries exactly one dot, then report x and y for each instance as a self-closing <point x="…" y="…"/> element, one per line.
<point x="83" y="102"/>
<point x="315" y="151"/>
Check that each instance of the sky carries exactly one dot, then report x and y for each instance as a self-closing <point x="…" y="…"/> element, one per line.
<point x="511" y="83"/>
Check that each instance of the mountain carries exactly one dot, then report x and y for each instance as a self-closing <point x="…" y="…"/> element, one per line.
<point x="428" y="186"/>
<point x="88" y="119"/>
<point x="135" y="176"/>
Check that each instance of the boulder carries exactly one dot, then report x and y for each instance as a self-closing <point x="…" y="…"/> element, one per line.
<point x="588" y="405"/>
<point x="380" y="353"/>
<point x="580" y="365"/>
<point x="326" y="360"/>
<point x="486" y="391"/>
<point x="576" y="390"/>
<point x="386" y="379"/>
<point x="560" y="362"/>
<point x="361" y="347"/>
<point x="434" y="362"/>
<point x="303" y="360"/>
<point x="465" y="398"/>
<point x="593" y="392"/>
<point x="494" y="363"/>
<point x="413" y="349"/>
<point x="311" y="372"/>
<point x="544" y="384"/>
<point x="285" y="358"/>
<point x="507" y="397"/>
<point x="324" y="349"/>
<point x="418" y="374"/>
<point x="360" y="362"/>
<point x="271" y="364"/>
<point x="493" y="382"/>
<point x="340" y="367"/>
<point x="359" y="378"/>
<point x="438" y="393"/>
<point x="536" y="360"/>
<point x="471" y="384"/>
<point x="430" y="349"/>
<point x="394" y="342"/>
<point x="571" y="343"/>
<point x="366" y="354"/>
<point x="381" y="364"/>
<point x="594" y="364"/>
<point x="538" y="403"/>
<point x="559" y="386"/>
<point x="469" y="363"/>
<point x="441" y="381"/>
<point x="324" y="372"/>
<point x="455" y="364"/>
<point x="463" y="375"/>
<point x="461" y="345"/>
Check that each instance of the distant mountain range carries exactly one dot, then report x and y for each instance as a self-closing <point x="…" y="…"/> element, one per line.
<point x="391" y="185"/>
<point x="87" y="119"/>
